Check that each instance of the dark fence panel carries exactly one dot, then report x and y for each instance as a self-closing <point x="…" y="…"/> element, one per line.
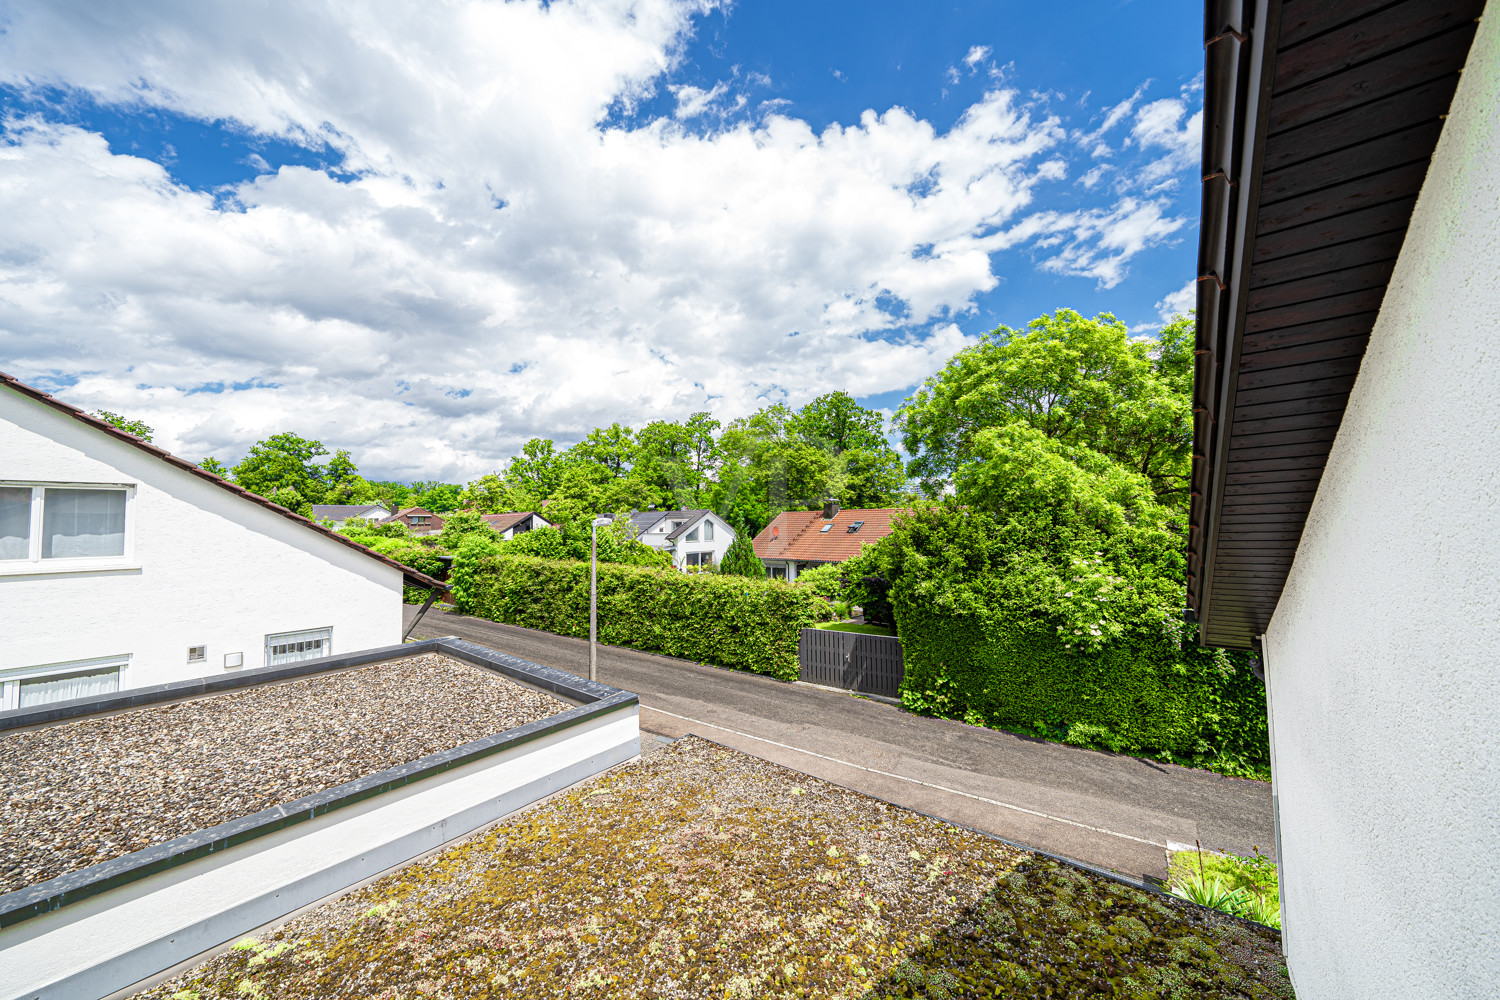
<point x="870" y="664"/>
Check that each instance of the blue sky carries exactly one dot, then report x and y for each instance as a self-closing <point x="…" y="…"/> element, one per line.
<point x="428" y="238"/>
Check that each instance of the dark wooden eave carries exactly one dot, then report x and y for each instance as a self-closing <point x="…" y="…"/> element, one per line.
<point x="1319" y="121"/>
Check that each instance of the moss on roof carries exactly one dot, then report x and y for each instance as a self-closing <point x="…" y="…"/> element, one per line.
<point x="704" y="872"/>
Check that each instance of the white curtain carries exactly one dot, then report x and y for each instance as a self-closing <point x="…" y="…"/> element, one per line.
<point x="45" y="690"/>
<point x="15" y="522"/>
<point x="83" y="523"/>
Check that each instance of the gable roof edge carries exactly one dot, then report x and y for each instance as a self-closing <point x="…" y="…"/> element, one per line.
<point x="410" y="575"/>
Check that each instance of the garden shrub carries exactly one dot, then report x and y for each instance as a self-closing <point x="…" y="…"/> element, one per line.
<point x="1045" y="597"/>
<point x="726" y="620"/>
<point x="408" y="552"/>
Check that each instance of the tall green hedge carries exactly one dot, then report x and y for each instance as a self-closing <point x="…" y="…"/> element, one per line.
<point x="725" y="620"/>
<point x="1140" y="693"/>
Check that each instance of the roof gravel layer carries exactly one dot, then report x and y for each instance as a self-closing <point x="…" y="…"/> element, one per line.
<point x="83" y="792"/>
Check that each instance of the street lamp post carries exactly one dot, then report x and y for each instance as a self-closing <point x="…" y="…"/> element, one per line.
<point x="594" y="595"/>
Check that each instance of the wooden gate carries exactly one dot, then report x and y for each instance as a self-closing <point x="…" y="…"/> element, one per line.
<point x="854" y="661"/>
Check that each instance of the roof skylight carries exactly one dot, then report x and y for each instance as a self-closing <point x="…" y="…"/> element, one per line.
<point x="856" y="526"/>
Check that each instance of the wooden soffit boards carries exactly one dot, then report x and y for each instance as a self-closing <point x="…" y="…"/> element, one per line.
<point x="1320" y="118"/>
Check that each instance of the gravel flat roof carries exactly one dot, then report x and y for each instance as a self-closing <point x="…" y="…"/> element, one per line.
<point x="83" y="792"/>
<point x="702" y="873"/>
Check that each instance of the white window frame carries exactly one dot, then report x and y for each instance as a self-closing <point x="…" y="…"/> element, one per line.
<point x="301" y="635"/>
<point x="34" y="564"/>
<point x="10" y="680"/>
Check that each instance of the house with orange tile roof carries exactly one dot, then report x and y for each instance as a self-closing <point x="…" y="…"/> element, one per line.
<point x="801" y="539"/>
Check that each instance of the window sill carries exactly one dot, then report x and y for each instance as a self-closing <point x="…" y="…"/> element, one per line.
<point x="45" y="569"/>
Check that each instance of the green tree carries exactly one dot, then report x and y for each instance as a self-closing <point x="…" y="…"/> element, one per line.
<point x="436" y="496"/>
<point x="215" y="466"/>
<point x="459" y="525"/>
<point x="137" y="427"/>
<point x="536" y="471"/>
<point x="1081" y="382"/>
<point x="291" y="499"/>
<point x="837" y="420"/>
<point x="611" y="448"/>
<point x="740" y="558"/>
<point x="283" y="461"/>
<point x="489" y="494"/>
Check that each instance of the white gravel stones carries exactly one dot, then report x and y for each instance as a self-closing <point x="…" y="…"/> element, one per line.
<point x="79" y="793"/>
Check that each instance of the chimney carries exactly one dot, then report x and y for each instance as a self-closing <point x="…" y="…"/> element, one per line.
<point x="830" y="509"/>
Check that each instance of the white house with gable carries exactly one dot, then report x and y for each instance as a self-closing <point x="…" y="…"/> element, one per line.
<point x="694" y="538"/>
<point x="122" y="566"/>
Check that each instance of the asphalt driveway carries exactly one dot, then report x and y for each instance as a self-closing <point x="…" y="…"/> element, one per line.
<point x="1112" y="811"/>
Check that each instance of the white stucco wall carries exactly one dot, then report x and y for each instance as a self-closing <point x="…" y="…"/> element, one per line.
<point x="203" y="566"/>
<point x="656" y="537"/>
<point x="1383" y="656"/>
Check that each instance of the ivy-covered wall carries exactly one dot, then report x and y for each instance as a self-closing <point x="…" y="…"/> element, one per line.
<point x="1139" y="692"/>
<point x="725" y="620"/>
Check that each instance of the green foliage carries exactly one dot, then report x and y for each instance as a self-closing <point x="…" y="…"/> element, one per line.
<point x="360" y="529"/>
<point x="137" y="427"/>
<point x="727" y="620"/>
<point x="1080" y="382"/>
<point x="458" y="525"/>
<point x="825" y="581"/>
<point x="214" y="466"/>
<point x="1044" y="597"/>
<point x="571" y="541"/>
<point x="440" y="498"/>
<point x="292" y="500"/>
<point x="1252" y="881"/>
<point x="740" y="558"/>
<point x="283" y="461"/>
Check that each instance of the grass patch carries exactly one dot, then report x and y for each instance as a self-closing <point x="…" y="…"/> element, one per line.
<point x="851" y="627"/>
<point x="706" y="873"/>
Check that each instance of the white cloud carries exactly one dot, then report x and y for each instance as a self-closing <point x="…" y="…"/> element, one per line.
<point x="1180" y="302"/>
<point x="634" y="271"/>
<point x="977" y="54"/>
<point x="693" y="101"/>
<point x="1160" y="125"/>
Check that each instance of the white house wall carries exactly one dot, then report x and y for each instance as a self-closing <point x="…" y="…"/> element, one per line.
<point x="1383" y="656"/>
<point x="205" y="567"/>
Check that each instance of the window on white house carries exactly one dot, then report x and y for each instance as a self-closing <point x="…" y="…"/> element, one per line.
<point x="290" y="647"/>
<point x="15" y="522"/>
<point x="700" y="558"/>
<point x="692" y="536"/>
<point x="82" y="523"/>
<point x="28" y="687"/>
<point x="197" y="654"/>
<point x="708" y="531"/>
<point x="62" y="522"/>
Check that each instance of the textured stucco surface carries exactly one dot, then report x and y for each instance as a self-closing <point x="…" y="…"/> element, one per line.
<point x="208" y="568"/>
<point x="1383" y="656"/>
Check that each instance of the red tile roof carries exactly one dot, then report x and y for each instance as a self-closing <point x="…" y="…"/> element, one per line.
<point x="412" y="576"/>
<point x="798" y="534"/>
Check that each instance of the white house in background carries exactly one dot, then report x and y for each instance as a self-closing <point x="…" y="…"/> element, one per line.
<point x="693" y="537"/>
<point x="1346" y="470"/>
<point x="122" y="566"/>
<point x="338" y="513"/>
<point x="516" y="523"/>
